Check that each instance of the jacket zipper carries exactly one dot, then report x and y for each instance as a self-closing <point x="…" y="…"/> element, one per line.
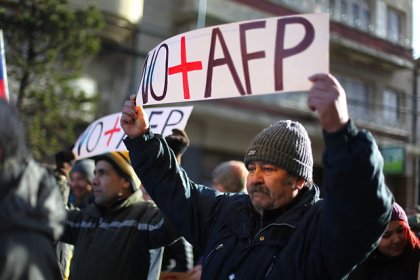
<point x="273" y="224"/>
<point x="218" y="247"/>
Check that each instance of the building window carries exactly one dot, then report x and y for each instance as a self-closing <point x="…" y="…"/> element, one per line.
<point x="354" y="12"/>
<point x="357" y="97"/>
<point x="331" y="7"/>
<point x="343" y="10"/>
<point x="390" y="107"/>
<point x="365" y="20"/>
<point x="394" y="24"/>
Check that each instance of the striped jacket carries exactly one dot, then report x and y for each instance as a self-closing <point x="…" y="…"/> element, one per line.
<point x="116" y="243"/>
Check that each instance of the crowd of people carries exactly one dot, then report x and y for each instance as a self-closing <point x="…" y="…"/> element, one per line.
<point x="136" y="214"/>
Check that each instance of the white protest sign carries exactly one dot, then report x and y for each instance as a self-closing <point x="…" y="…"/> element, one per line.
<point x="106" y="135"/>
<point x="252" y="57"/>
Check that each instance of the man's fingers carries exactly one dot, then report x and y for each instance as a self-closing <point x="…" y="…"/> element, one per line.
<point x="126" y="119"/>
<point x="129" y="108"/>
<point x="316" y="77"/>
<point x="133" y="98"/>
<point x="314" y="103"/>
<point x="322" y="77"/>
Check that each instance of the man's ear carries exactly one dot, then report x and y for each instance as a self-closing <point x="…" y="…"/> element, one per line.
<point x="300" y="183"/>
<point x="126" y="184"/>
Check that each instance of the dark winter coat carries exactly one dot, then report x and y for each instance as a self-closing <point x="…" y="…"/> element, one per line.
<point x="380" y="267"/>
<point x="116" y="243"/>
<point x="31" y="216"/>
<point x="310" y="239"/>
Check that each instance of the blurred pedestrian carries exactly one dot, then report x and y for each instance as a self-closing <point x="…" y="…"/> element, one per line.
<point x="230" y="176"/>
<point x="31" y="208"/>
<point x="64" y="161"/>
<point x="81" y="177"/>
<point x="414" y="223"/>
<point x="397" y="256"/>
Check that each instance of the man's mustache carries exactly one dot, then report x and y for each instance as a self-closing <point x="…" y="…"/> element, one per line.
<point x="259" y="188"/>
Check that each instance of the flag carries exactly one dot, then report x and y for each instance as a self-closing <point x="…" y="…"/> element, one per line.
<point x="4" y="94"/>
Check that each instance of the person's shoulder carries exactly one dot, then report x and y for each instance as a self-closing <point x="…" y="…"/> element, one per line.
<point x="146" y="211"/>
<point x="90" y="212"/>
<point x="239" y="197"/>
<point x="149" y="206"/>
<point x="236" y="202"/>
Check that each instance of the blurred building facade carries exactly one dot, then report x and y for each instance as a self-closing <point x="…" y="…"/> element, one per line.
<point x="370" y="52"/>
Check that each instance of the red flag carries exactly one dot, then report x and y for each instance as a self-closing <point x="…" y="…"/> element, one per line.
<point x="4" y="94"/>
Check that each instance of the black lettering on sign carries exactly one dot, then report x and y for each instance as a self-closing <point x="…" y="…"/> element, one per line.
<point x="154" y="112"/>
<point x="145" y="78"/>
<point x="83" y="139"/>
<point x="174" y="118"/>
<point x="281" y="53"/>
<point x="216" y="35"/>
<point x="244" y="52"/>
<point x="165" y="86"/>
<point x="99" y="125"/>
<point x="121" y="141"/>
<point x="146" y="86"/>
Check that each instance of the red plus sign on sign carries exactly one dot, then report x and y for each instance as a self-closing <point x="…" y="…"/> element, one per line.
<point x="238" y="59"/>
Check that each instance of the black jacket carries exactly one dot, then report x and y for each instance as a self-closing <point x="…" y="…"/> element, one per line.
<point x="116" y="243"/>
<point x="380" y="267"/>
<point x="31" y="216"/>
<point x="310" y="240"/>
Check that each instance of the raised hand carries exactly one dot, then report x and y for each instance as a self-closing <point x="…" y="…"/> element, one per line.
<point x="134" y="120"/>
<point x="328" y="98"/>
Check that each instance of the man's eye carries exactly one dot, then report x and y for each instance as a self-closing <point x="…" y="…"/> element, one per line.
<point x="268" y="169"/>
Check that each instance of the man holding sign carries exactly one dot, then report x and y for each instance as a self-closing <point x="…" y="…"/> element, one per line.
<point x="280" y="229"/>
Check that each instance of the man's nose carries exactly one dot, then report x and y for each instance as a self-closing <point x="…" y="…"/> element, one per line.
<point x="95" y="180"/>
<point x="256" y="176"/>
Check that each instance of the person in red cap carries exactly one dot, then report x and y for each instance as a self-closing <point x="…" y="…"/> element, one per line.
<point x="397" y="255"/>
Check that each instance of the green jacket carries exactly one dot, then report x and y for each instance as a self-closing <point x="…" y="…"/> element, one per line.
<point x="116" y="243"/>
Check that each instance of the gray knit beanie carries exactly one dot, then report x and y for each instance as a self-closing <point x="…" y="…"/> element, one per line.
<point x="86" y="167"/>
<point x="285" y="144"/>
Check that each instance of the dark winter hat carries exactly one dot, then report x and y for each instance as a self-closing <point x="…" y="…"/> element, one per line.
<point x="122" y="165"/>
<point x="63" y="156"/>
<point x="86" y="167"/>
<point x="398" y="214"/>
<point x="285" y="144"/>
<point x="178" y="141"/>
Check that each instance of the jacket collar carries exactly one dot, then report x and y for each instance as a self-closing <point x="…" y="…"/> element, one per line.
<point x="95" y="210"/>
<point x="244" y="218"/>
